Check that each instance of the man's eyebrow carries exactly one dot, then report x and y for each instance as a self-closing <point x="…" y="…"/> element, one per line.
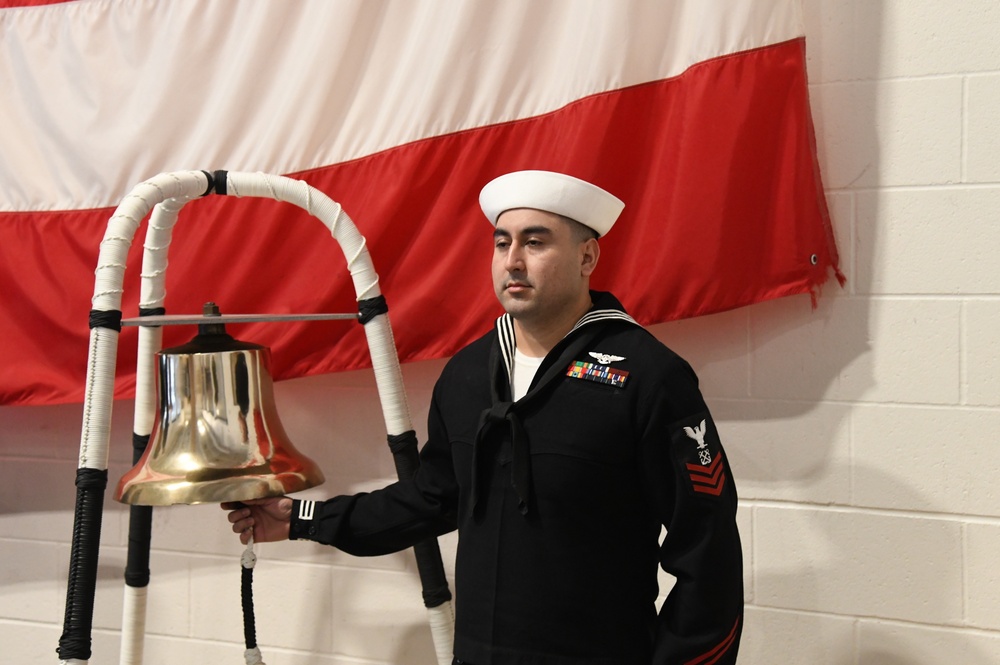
<point x="526" y="231"/>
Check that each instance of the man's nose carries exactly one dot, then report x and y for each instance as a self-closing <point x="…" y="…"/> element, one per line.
<point x="515" y="258"/>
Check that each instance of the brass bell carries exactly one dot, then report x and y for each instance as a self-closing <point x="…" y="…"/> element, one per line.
<point x="218" y="436"/>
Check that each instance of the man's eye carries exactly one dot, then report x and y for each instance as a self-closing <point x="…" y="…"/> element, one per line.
<point x="501" y="244"/>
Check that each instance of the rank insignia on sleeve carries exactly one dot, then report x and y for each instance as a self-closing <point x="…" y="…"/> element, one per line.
<point x="599" y="373"/>
<point x="699" y="453"/>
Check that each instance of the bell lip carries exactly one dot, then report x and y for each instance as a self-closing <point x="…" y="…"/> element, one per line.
<point x="177" y="491"/>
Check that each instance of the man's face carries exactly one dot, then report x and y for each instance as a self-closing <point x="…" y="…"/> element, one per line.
<point x="540" y="265"/>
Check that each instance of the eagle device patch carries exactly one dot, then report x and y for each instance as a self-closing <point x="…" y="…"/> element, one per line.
<point x="698" y="451"/>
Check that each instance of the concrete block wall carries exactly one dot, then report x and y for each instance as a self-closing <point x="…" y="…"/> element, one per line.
<point x="866" y="440"/>
<point x="863" y="434"/>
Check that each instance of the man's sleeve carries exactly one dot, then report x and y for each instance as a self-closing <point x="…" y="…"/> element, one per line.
<point x="393" y="518"/>
<point x="691" y="489"/>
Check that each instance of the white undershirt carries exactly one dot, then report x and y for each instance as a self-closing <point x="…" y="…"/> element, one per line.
<point x="524" y="371"/>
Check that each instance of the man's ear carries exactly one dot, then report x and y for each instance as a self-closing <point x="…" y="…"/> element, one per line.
<point x="590" y="252"/>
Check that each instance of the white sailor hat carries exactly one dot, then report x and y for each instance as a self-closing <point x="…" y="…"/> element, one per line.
<point x="552" y="192"/>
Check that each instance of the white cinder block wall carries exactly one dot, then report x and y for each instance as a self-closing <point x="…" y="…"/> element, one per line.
<point x="864" y="434"/>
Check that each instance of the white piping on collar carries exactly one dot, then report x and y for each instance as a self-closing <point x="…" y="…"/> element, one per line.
<point x="508" y="342"/>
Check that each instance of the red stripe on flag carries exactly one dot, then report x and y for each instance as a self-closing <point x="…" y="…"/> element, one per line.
<point x="8" y="4"/>
<point x="724" y="208"/>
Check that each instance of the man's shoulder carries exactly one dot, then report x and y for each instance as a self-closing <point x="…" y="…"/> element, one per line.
<point x="642" y="346"/>
<point x="475" y="349"/>
<point x="641" y="340"/>
<point x="472" y="359"/>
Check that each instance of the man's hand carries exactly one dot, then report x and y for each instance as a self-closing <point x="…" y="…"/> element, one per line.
<point x="269" y="518"/>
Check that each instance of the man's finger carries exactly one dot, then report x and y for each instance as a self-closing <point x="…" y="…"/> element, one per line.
<point x="238" y="515"/>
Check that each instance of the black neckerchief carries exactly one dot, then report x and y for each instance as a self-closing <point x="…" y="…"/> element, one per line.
<point x="504" y="410"/>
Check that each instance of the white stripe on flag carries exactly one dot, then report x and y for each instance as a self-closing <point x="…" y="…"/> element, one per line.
<point x="129" y="90"/>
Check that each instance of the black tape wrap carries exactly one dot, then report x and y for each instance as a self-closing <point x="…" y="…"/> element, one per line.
<point x="427" y="552"/>
<point x="246" y="594"/>
<point x="404" y="453"/>
<point x="111" y="319"/>
<point x="220" y="178"/>
<point x="431" y="571"/>
<point x="211" y="183"/>
<point x="140" y="518"/>
<point x="140" y="528"/>
<point x="75" y="642"/>
<point x="370" y="308"/>
<point x="433" y="580"/>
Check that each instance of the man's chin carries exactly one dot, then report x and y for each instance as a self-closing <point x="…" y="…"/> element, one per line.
<point x="515" y="306"/>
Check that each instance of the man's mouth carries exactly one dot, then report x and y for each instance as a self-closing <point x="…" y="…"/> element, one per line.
<point x="517" y="286"/>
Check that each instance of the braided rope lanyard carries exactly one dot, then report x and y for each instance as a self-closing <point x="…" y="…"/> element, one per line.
<point x="248" y="560"/>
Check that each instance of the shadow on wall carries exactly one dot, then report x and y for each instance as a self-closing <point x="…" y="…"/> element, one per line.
<point x="789" y="424"/>
<point x="798" y="360"/>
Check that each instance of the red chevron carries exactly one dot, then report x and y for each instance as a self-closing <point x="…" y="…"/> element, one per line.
<point x="708" y="479"/>
<point x="714" y="490"/>
<point x="702" y="474"/>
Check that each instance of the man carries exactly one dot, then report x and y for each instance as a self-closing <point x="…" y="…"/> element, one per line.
<point x="559" y="445"/>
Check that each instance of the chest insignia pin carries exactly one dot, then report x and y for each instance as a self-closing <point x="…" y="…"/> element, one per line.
<point x="605" y="358"/>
